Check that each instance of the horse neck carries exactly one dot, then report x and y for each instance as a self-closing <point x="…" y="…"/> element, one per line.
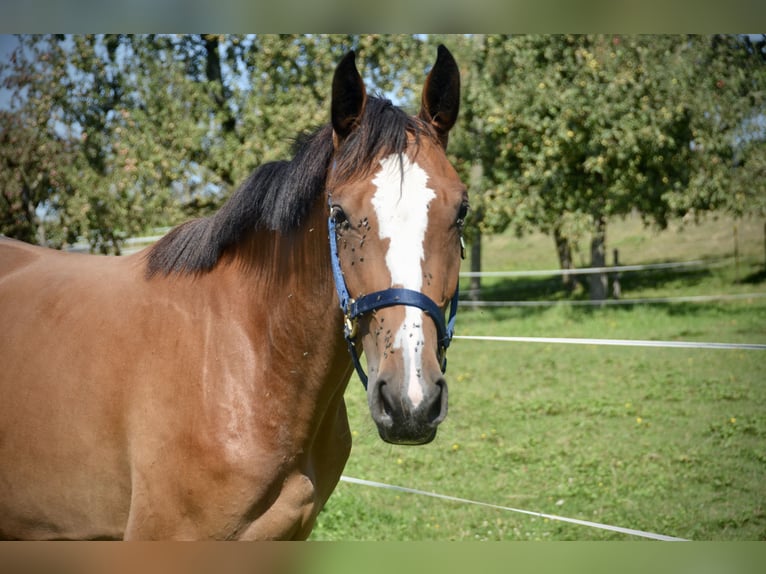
<point x="293" y="305"/>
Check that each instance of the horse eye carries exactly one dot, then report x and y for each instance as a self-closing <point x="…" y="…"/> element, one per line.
<point x="462" y="213"/>
<point x="338" y="215"/>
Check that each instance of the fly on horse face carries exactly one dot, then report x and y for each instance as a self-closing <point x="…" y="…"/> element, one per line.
<point x="195" y="390"/>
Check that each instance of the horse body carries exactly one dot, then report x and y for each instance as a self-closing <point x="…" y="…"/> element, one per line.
<point x="195" y="390"/>
<point x="193" y="447"/>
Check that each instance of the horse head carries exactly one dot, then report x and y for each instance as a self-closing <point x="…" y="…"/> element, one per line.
<point x="395" y="228"/>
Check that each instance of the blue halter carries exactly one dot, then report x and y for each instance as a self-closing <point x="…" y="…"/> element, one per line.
<point x="354" y="308"/>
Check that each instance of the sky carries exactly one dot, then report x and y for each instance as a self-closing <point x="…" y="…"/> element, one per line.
<point x="7" y="44"/>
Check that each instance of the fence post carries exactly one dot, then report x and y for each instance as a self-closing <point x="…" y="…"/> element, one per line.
<point x="616" y="290"/>
<point x="598" y="281"/>
<point x="476" y="177"/>
<point x="475" y="283"/>
<point x="736" y="252"/>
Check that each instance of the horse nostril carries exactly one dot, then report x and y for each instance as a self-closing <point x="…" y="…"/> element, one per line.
<point x="385" y="399"/>
<point x="382" y="402"/>
<point x="438" y="408"/>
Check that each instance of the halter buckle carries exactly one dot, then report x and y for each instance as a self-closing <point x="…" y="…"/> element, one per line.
<point x="351" y="322"/>
<point x="351" y="327"/>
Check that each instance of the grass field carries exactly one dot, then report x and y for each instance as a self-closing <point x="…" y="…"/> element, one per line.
<point x="670" y="441"/>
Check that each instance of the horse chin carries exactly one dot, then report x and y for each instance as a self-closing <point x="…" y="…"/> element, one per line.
<point x="392" y="437"/>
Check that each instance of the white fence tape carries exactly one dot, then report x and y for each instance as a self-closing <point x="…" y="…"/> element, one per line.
<point x="589" y="303"/>
<point x="618" y="342"/>
<point x="588" y="523"/>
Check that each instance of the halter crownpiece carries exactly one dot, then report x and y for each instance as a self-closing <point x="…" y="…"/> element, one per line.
<point x="355" y="308"/>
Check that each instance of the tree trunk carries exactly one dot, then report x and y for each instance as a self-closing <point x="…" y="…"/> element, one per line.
<point x="221" y="95"/>
<point x="598" y="281"/>
<point x="564" y="251"/>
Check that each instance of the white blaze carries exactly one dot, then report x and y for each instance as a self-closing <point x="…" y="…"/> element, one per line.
<point x="401" y="205"/>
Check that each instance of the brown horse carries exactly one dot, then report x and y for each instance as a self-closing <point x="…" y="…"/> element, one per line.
<point x="195" y="390"/>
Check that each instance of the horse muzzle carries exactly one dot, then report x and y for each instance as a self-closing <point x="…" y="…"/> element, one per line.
<point x="402" y="419"/>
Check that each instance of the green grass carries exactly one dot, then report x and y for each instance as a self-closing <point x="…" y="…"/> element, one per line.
<point x="671" y="441"/>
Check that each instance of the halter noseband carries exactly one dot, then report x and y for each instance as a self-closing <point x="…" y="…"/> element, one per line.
<point x="355" y="308"/>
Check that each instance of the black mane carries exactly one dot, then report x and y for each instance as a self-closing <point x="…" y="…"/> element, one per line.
<point x="278" y="195"/>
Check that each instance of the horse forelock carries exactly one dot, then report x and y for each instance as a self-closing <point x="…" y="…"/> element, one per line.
<point x="279" y="195"/>
<point x="384" y="130"/>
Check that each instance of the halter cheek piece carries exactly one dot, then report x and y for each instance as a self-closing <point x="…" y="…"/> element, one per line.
<point x="355" y="308"/>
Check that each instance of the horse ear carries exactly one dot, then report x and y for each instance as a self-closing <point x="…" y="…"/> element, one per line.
<point x="441" y="94"/>
<point x="348" y="98"/>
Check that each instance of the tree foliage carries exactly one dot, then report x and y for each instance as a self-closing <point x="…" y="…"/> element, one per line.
<point x="572" y="130"/>
<point x="111" y="135"/>
<point x="602" y="126"/>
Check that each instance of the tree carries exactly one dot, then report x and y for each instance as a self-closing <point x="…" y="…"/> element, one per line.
<point x="30" y="166"/>
<point x="33" y="156"/>
<point x="158" y="127"/>
<point x="727" y="90"/>
<point x="578" y="129"/>
<point x="110" y="135"/>
<point x="85" y="95"/>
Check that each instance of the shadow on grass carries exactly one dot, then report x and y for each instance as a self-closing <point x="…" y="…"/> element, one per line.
<point x="673" y="282"/>
<point x="755" y="278"/>
<point x="553" y="288"/>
